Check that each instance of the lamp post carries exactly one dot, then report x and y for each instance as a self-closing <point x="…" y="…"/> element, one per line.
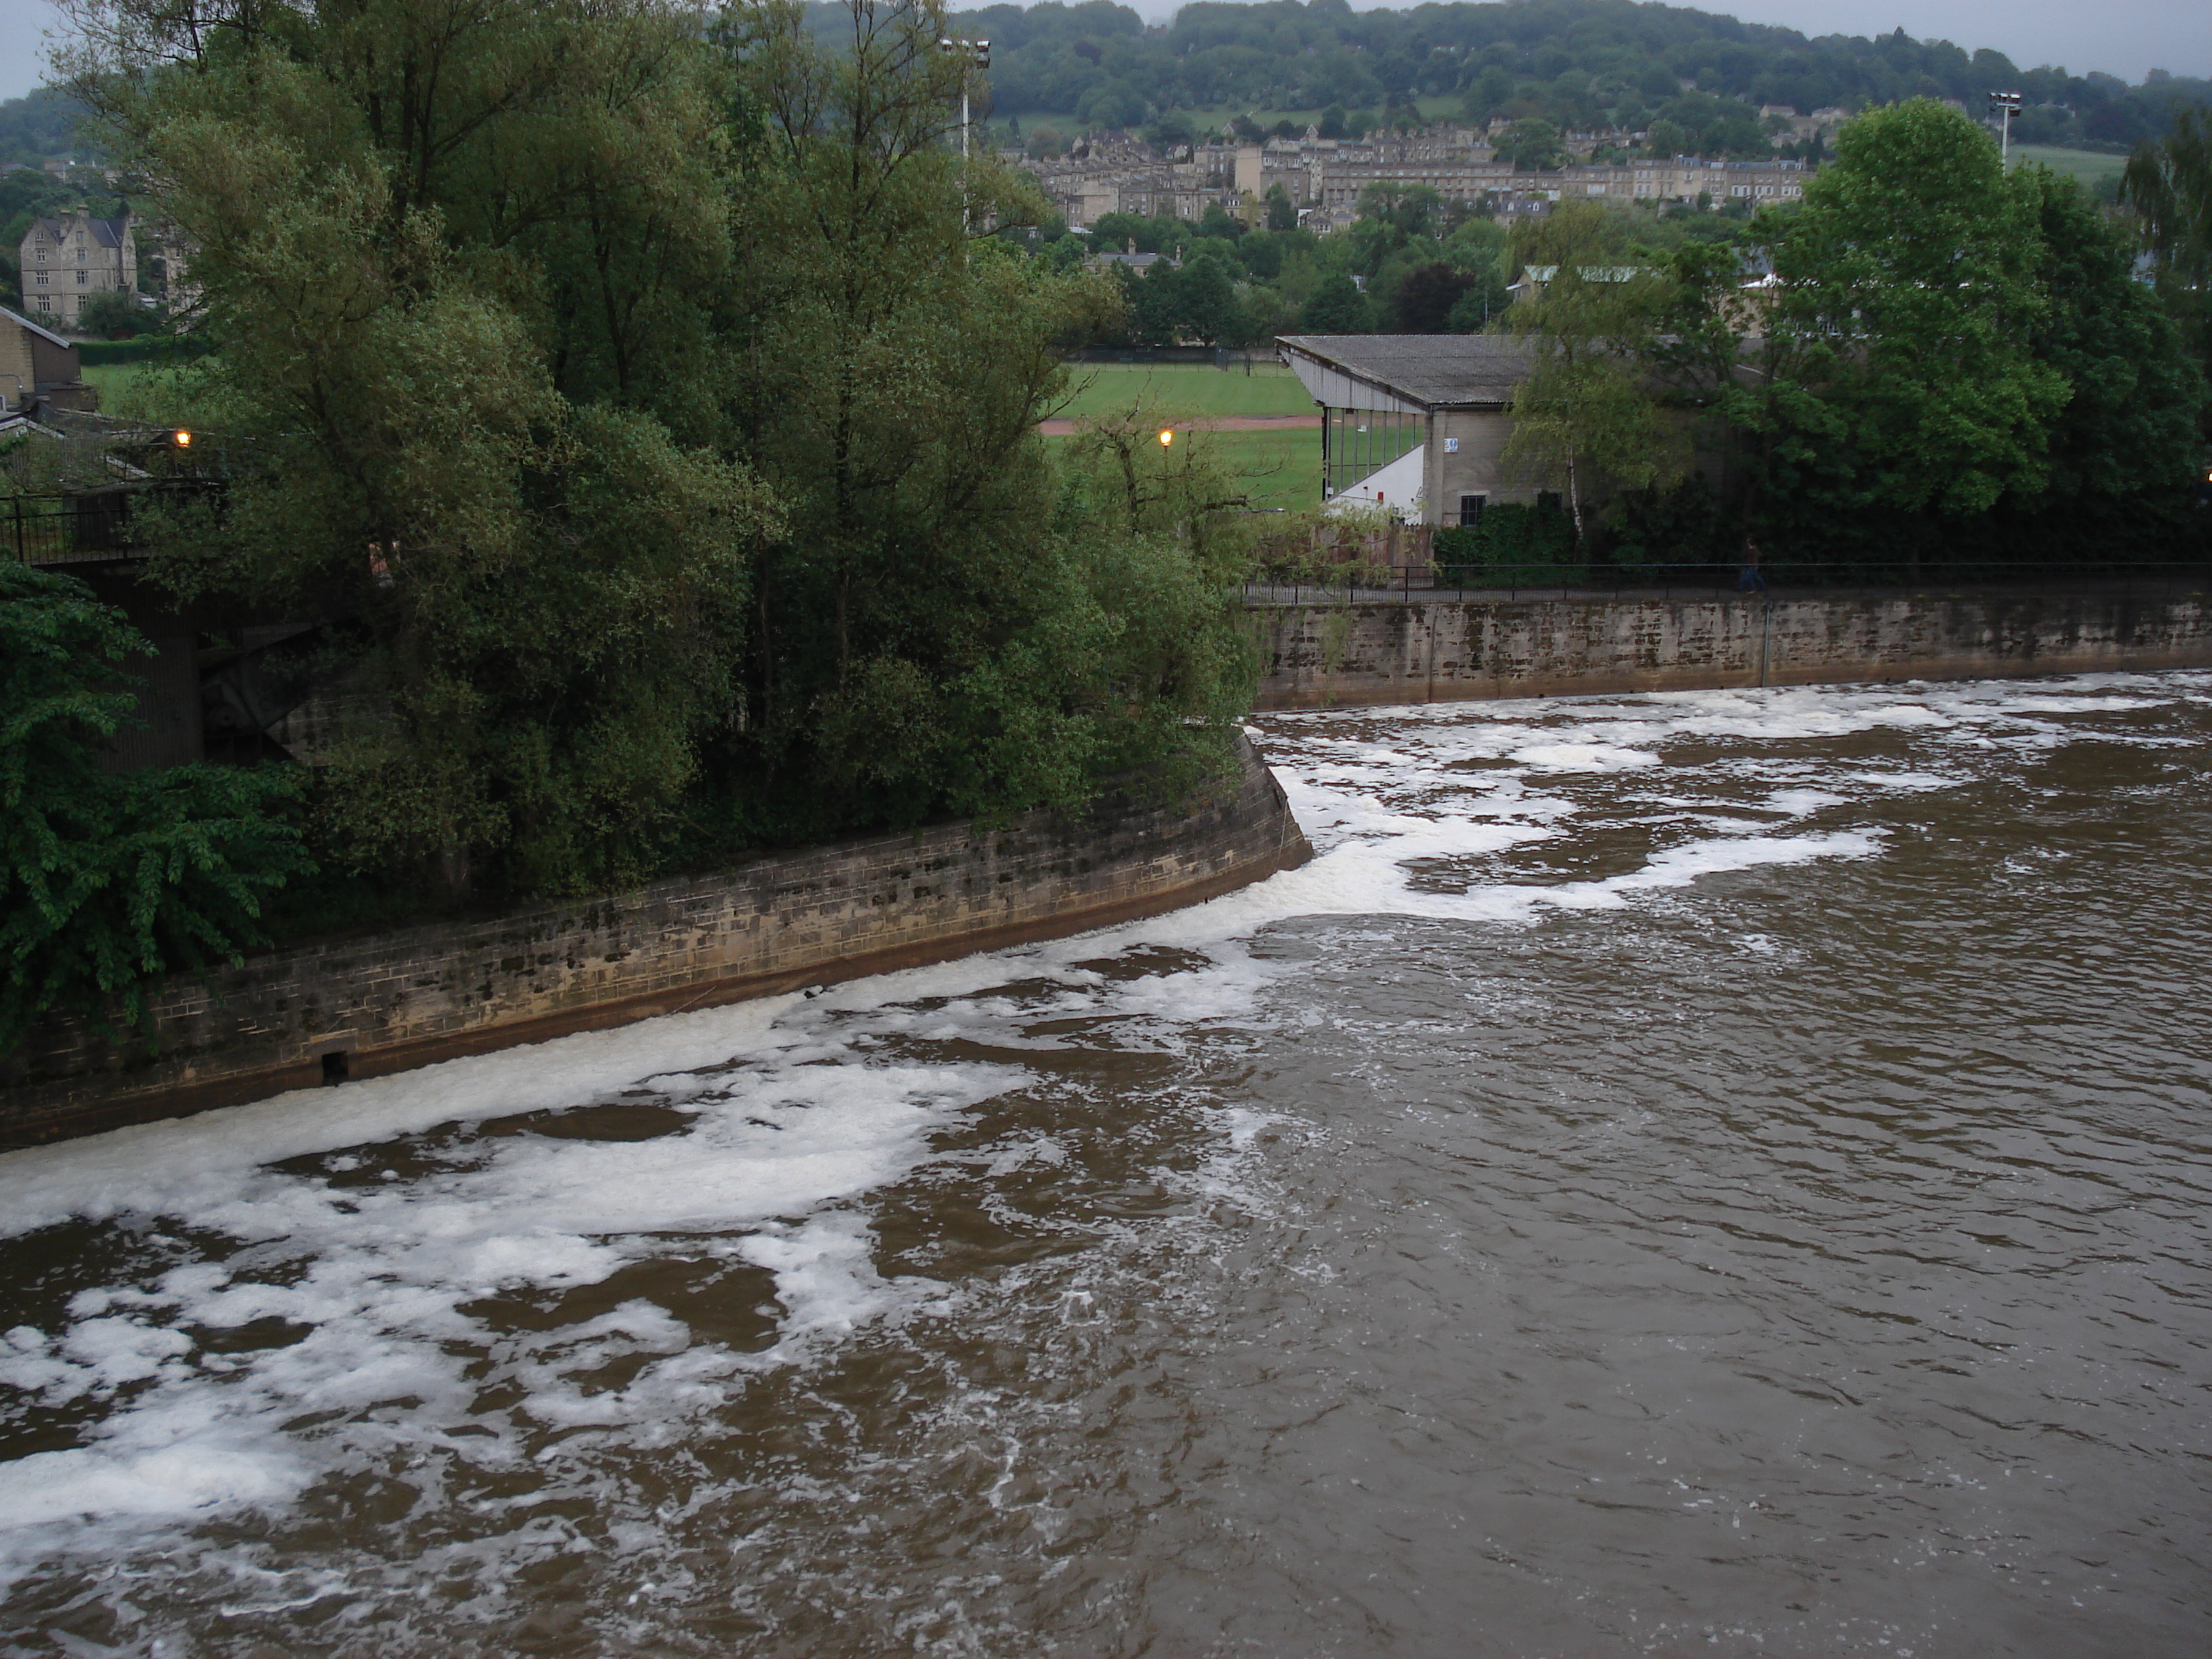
<point x="2004" y="105"/>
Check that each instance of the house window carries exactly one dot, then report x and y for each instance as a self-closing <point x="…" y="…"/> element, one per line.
<point x="42" y="279"/>
<point x="80" y="278"/>
<point x="1470" y="510"/>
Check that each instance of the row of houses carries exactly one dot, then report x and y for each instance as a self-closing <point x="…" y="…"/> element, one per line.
<point x="1324" y="177"/>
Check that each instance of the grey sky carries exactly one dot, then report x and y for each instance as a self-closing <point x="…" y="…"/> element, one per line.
<point x="22" y="53"/>
<point x="2122" y="37"/>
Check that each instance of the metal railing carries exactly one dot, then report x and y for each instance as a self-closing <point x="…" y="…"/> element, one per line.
<point x="1407" y="583"/>
<point x="66" y="529"/>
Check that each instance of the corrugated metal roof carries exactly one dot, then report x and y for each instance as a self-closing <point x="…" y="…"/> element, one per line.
<point x="1431" y="371"/>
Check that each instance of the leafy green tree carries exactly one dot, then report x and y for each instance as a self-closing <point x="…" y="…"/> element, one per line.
<point x="113" y="316"/>
<point x="1393" y="218"/>
<point x="1531" y="142"/>
<point x="1282" y="211"/>
<point x="458" y="263"/>
<point x="1154" y="303"/>
<point x="1584" y="411"/>
<point x="108" y="881"/>
<point x="1424" y="303"/>
<point x="2122" y="448"/>
<point x="2168" y="184"/>
<point x="1210" y="310"/>
<point x="1906" y="277"/>
<point x="1337" y="308"/>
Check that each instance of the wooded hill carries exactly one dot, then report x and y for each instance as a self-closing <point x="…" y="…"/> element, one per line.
<point x="1580" y="63"/>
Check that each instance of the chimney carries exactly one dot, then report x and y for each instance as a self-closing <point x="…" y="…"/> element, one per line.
<point x="1129" y="245"/>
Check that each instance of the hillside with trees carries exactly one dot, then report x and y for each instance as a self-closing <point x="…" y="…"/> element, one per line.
<point x="1578" y="63"/>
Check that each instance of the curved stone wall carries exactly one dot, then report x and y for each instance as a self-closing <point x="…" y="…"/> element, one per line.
<point x="359" y="1007"/>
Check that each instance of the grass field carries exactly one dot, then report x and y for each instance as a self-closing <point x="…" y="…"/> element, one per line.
<point x="1178" y="389"/>
<point x="112" y="380"/>
<point x="2088" y="166"/>
<point x="1278" y="468"/>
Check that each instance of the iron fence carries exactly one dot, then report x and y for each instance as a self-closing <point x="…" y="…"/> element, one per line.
<point x="1408" y="582"/>
<point x="65" y="529"/>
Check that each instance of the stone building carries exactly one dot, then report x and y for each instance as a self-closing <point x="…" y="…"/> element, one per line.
<point x="68" y="259"/>
<point x="38" y="369"/>
<point x="1414" y="422"/>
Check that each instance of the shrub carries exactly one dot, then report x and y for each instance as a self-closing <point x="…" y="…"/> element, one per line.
<point x="107" y="881"/>
<point x="1514" y="544"/>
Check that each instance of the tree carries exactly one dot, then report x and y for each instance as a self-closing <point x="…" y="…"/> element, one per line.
<point x="642" y="408"/>
<point x="2122" y="448"/>
<point x="1154" y="303"/>
<point x="2169" y="184"/>
<point x="1337" y="308"/>
<point x="457" y="261"/>
<point x="109" y="881"/>
<point x="1426" y="301"/>
<point x="1531" y="143"/>
<point x="113" y="315"/>
<point x="1584" y="411"/>
<point x="1207" y="304"/>
<point x="1282" y="212"/>
<point x="1908" y="277"/>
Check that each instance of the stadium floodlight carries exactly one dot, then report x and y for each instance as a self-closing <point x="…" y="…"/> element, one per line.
<point x="2004" y="105"/>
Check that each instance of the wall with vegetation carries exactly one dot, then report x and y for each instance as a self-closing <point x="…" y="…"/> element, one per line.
<point x="387" y="1001"/>
<point x="1320" y="656"/>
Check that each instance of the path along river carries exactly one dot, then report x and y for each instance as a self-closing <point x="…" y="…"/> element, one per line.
<point x="1716" y="1173"/>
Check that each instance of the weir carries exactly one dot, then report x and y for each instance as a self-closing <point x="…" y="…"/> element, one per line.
<point x="1412" y="650"/>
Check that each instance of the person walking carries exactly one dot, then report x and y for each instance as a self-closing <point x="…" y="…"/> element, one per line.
<point x="1748" y="580"/>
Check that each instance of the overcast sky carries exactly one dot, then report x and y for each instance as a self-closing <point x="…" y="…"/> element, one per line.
<point x="2122" y="37"/>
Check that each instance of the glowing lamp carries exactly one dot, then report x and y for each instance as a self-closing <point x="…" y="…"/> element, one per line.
<point x="182" y="440"/>
<point x="1167" y="436"/>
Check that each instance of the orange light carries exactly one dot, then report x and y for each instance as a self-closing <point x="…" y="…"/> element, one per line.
<point x="1167" y="436"/>
<point x="184" y="440"/>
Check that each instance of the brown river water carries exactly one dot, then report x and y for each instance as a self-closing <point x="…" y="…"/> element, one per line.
<point x="1719" y="1173"/>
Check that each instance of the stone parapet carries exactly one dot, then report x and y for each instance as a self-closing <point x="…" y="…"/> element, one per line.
<point x="1320" y="656"/>
<point x="360" y="1005"/>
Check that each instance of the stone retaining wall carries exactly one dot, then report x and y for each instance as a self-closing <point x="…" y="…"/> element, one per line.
<point x="358" y="1006"/>
<point x="1322" y="655"/>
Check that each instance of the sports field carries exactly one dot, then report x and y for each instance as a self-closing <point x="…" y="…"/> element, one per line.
<point x="1277" y="469"/>
<point x="1181" y="391"/>
<point x="2088" y="166"/>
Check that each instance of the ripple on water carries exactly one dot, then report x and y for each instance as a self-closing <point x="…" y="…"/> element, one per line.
<point x="1715" y="1169"/>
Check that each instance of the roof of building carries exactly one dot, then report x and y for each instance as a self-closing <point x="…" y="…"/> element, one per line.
<point x="108" y="232"/>
<point x="1412" y="371"/>
<point x="43" y="333"/>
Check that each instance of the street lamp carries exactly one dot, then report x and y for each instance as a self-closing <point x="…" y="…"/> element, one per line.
<point x="2004" y="105"/>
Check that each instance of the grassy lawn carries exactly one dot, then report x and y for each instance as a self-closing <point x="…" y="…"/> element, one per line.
<point x="1177" y="389"/>
<point x="2088" y="166"/>
<point x="1277" y="469"/>
<point x="142" y="391"/>
<point x="112" y="380"/>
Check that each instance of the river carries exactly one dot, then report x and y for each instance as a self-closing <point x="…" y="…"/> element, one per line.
<point x="1716" y="1172"/>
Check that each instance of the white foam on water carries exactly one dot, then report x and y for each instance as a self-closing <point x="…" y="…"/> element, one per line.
<point x="798" y="1118"/>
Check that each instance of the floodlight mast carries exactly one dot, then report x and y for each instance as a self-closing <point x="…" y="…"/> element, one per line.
<point x="2004" y="105"/>
<point x="975" y="54"/>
